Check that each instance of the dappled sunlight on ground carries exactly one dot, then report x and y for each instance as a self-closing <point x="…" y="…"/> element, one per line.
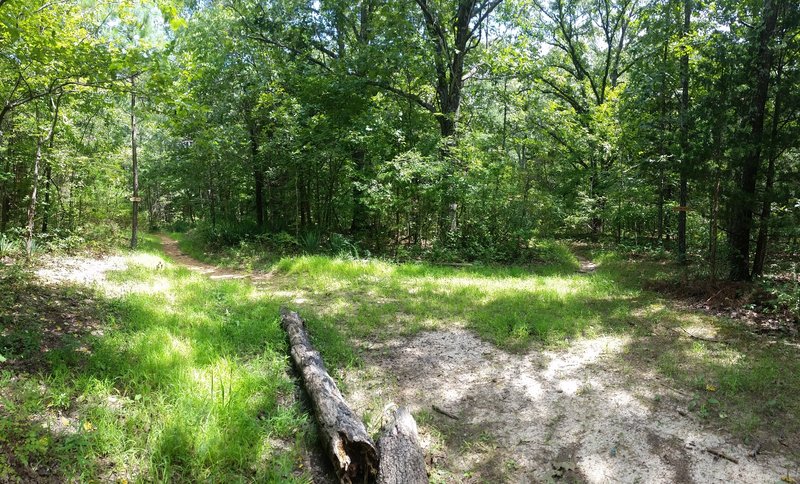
<point x="545" y="373"/>
<point x="544" y="408"/>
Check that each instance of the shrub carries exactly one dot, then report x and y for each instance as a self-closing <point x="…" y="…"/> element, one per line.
<point x="310" y="241"/>
<point x="6" y="245"/>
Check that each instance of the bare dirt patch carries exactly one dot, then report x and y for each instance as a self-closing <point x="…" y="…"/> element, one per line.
<point x="568" y="415"/>
<point x="170" y="247"/>
<point x="586" y="266"/>
<point x="38" y="319"/>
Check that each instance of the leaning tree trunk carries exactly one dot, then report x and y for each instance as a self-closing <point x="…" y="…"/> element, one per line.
<point x="36" y="163"/>
<point x="348" y="444"/>
<point x="402" y="458"/>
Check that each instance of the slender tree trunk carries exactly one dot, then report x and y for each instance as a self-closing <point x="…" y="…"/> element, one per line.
<point x="48" y="166"/>
<point x="48" y="182"/>
<point x="359" y="224"/>
<point x="5" y="196"/>
<point x="763" y="230"/>
<point x="32" y="203"/>
<point x="661" y="210"/>
<point x="6" y="210"/>
<point x="662" y="149"/>
<point x="54" y="105"/>
<point x="258" y="179"/>
<point x="684" y="119"/>
<point x="742" y="212"/>
<point x="134" y="169"/>
<point x="596" y="220"/>
<point x="713" y="231"/>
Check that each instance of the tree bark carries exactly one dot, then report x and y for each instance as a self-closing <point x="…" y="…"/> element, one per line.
<point x="54" y="103"/>
<point x="48" y="172"/>
<point x="713" y="232"/>
<point x="360" y="221"/>
<point x="32" y="203"/>
<point x="742" y="212"/>
<point x="449" y="57"/>
<point x="48" y="182"/>
<point x="766" y="208"/>
<point x="684" y="136"/>
<point x="402" y="458"/>
<point x="349" y="446"/>
<point x="134" y="169"/>
<point x="258" y="178"/>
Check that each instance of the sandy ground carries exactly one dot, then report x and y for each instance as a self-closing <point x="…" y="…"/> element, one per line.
<point x="486" y="415"/>
<point x="549" y="415"/>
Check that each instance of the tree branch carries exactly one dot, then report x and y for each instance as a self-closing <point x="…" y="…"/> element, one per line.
<point x="561" y="93"/>
<point x="404" y="94"/>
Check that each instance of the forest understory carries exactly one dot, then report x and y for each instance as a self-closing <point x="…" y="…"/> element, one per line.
<point x="153" y="365"/>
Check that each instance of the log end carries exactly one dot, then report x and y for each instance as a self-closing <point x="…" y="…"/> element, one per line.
<point x="357" y="459"/>
<point x="402" y="459"/>
<point x="290" y="318"/>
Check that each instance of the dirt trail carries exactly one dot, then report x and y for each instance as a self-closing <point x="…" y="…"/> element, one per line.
<point x="573" y="415"/>
<point x="586" y="266"/>
<point x="170" y="247"/>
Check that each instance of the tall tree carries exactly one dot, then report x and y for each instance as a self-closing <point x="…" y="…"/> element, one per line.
<point x="588" y="55"/>
<point x="684" y="136"/>
<point x="748" y="165"/>
<point x="134" y="169"/>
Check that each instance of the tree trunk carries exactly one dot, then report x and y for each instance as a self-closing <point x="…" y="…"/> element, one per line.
<point x="402" y="458"/>
<point x="713" y="228"/>
<point x="449" y="60"/>
<point x="258" y="179"/>
<point x="766" y="208"/>
<point x="5" y="195"/>
<point x="5" y="210"/>
<point x="348" y="444"/>
<point x="48" y="182"/>
<point x="49" y="167"/>
<point x="360" y="222"/>
<point x="32" y="203"/>
<point x="596" y="220"/>
<point x="684" y="136"/>
<point x="661" y="210"/>
<point x="54" y="103"/>
<point x="134" y="169"/>
<point x="742" y="212"/>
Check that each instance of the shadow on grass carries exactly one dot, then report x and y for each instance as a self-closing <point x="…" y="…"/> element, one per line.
<point x="740" y="381"/>
<point x="753" y="380"/>
<point x="185" y="383"/>
<point x="510" y="307"/>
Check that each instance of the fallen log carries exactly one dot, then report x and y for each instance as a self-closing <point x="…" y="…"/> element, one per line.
<point x="402" y="458"/>
<point x="347" y="442"/>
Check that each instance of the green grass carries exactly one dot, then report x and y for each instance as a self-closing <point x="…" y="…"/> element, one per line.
<point x="512" y="306"/>
<point x="187" y="383"/>
<point x="754" y="381"/>
<point x="188" y="380"/>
